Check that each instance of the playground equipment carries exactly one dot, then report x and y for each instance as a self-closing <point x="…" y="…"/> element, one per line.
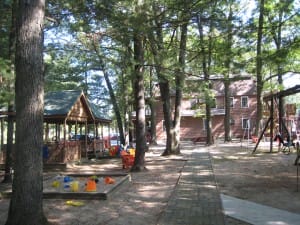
<point x="127" y="159"/>
<point x="285" y="145"/>
<point x="271" y="100"/>
<point x="297" y="164"/>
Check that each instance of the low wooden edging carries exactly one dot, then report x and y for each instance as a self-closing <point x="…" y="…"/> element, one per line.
<point x="97" y="195"/>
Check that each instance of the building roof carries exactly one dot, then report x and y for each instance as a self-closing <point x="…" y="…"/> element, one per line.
<point x="71" y="105"/>
<point x="60" y="102"/>
<point x="236" y="88"/>
<point x="61" y="105"/>
<point x="97" y="113"/>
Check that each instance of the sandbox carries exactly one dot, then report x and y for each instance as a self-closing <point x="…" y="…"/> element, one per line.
<point x="61" y="186"/>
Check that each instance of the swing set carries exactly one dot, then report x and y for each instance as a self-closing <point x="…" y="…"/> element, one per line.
<point x="272" y="100"/>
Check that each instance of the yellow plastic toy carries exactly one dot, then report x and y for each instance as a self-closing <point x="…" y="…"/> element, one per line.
<point x="55" y="184"/>
<point x="74" y="203"/>
<point x="75" y="186"/>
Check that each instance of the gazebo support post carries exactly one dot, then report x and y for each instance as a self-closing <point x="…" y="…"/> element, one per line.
<point x="79" y="146"/>
<point x="271" y="125"/>
<point x="76" y="127"/>
<point x="2" y="134"/>
<point x="95" y="135"/>
<point x="102" y="136"/>
<point x="46" y="132"/>
<point x="85" y="141"/>
<point x="65" y="150"/>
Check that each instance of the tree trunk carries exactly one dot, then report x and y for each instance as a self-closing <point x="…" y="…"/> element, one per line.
<point x="205" y="68"/>
<point x="153" y="140"/>
<point x="152" y="103"/>
<point x="9" y="146"/>
<point x="209" y="139"/>
<point x="259" y="61"/>
<point x="10" y="119"/>
<point x="111" y="94"/>
<point x="228" y="69"/>
<point x="165" y="97"/>
<point x="179" y="79"/>
<point x="156" y="42"/>
<point x="2" y="134"/>
<point x="277" y="36"/>
<point x="227" y="136"/>
<point x="26" y="205"/>
<point x="114" y="102"/>
<point x="139" y="95"/>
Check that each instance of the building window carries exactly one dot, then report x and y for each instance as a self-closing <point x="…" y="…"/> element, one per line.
<point x="213" y="103"/>
<point x="244" y="102"/>
<point x="204" y="123"/>
<point x="231" y="102"/>
<point x="245" y="123"/>
<point x="147" y="110"/>
<point x="163" y="125"/>
<point x="148" y="125"/>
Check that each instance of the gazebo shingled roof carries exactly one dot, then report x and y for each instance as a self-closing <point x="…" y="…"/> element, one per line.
<point x="60" y="102"/>
<point x="70" y="105"/>
<point x="98" y="115"/>
<point x="60" y="106"/>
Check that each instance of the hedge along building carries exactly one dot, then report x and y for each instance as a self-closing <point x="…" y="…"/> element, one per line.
<point x="68" y="114"/>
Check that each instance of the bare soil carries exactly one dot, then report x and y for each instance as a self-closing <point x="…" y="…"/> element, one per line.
<point x="263" y="177"/>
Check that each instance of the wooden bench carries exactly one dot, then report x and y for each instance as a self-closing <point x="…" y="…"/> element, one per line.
<point x="201" y="139"/>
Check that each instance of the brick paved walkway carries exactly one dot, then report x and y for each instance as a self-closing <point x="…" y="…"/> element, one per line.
<point x="196" y="200"/>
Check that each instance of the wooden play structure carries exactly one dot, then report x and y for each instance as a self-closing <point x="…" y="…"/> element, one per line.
<point x="69" y="119"/>
<point x="273" y="102"/>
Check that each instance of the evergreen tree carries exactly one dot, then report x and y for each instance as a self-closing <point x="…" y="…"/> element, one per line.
<point x="26" y="205"/>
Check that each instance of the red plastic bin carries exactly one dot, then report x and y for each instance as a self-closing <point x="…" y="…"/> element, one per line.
<point x="127" y="161"/>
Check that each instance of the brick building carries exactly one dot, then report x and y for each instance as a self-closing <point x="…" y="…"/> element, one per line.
<point x="242" y="111"/>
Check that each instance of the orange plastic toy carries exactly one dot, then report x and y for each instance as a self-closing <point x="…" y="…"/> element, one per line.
<point x="91" y="186"/>
<point x="109" y="180"/>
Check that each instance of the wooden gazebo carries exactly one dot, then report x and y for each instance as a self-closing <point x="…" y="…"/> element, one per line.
<point x="69" y="120"/>
<point x="73" y="127"/>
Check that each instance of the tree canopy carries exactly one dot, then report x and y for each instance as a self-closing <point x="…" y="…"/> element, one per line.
<point x="119" y="51"/>
<point x="89" y="45"/>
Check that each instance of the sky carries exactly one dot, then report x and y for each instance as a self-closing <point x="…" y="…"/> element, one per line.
<point x="291" y="79"/>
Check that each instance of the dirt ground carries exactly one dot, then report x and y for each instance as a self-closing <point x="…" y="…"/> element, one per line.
<point x="266" y="178"/>
<point x="138" y="202"/>
<point x="262" y="177"/>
